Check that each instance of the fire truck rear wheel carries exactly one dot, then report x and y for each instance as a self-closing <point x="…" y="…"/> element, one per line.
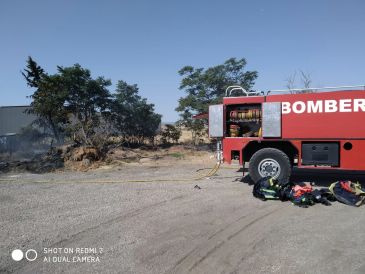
<point x="270" y="162"/>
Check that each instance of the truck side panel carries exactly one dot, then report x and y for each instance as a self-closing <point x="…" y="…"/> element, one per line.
<point x="308" y="120"/>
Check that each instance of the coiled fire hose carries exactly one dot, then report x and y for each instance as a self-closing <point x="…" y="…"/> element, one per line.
<point x="251" y="114"/>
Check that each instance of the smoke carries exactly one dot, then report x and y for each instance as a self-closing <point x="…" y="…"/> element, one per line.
<point x="27" y="145"/>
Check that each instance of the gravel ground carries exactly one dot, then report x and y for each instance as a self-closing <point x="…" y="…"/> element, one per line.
<point x="170" y="226"/>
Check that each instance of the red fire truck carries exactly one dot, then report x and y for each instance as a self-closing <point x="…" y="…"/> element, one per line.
<point x="277" y="131"/>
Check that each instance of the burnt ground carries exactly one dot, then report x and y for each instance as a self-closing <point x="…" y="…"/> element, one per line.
<point x="170" y="226"/>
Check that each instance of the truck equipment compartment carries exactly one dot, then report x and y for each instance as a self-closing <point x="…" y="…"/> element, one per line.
<point x="320" y="154"/>
<point x="243" y="120"/>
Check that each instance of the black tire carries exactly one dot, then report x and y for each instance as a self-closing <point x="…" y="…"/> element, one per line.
<point x="270" y="161"/>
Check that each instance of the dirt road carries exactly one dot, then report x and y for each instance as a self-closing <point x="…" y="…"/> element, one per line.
<point x="170" y="227"/>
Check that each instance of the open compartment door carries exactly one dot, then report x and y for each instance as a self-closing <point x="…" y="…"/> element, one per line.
<point x="216" y="121"/>
<point x="271" y="120"/>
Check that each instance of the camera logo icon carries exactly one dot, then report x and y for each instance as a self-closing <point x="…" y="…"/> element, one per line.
<point x="17" y="255"/>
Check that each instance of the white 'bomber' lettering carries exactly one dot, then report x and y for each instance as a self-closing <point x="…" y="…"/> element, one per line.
<point x="345" y="105"/>
<point x="330" y="106"/>
<point x="326" y="106"/>
<point x="299" y="110"/>
<point x="359" y="104"/>
<point x="314" y="107"/>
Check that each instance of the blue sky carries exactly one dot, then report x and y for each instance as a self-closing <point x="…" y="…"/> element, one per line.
<point x="147" y="42"/>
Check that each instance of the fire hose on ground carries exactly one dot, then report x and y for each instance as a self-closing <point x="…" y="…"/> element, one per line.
<point x="213" y="171"/>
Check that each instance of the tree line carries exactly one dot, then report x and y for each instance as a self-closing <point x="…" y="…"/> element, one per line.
<point x="72" y="104"/>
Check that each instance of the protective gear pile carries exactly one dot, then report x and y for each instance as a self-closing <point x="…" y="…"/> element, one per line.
<point x="304" y="195"/>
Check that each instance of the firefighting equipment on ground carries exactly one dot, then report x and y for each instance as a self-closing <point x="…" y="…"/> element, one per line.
<point x="305" y="195"/>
